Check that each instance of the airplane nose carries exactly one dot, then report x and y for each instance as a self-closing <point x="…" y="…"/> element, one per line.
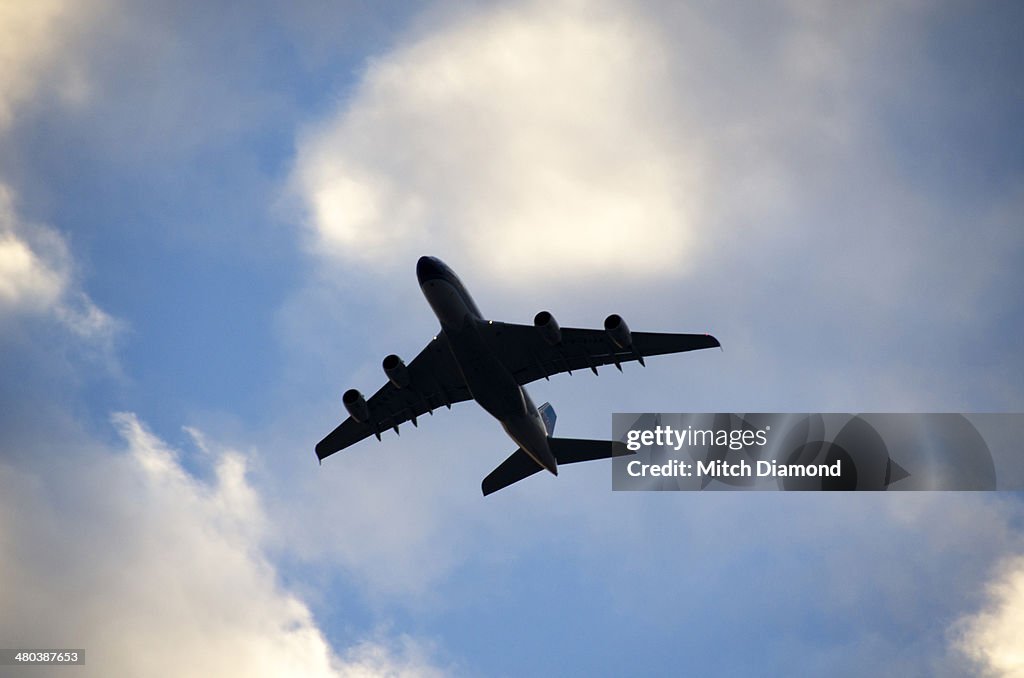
<point x="429" y="268"/>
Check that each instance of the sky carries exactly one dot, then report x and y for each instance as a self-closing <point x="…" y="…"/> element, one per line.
<point x="210" y="215"/>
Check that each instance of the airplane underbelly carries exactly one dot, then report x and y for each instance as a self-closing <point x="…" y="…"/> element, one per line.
<point x="448" y="304"/>
<point x="488" y="380"/>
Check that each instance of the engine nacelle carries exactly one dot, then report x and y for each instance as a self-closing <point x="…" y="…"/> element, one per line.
<point x="548" y="328"/>
<point x="618" y="331"/>
<point x="396" y="371"/>
<point x="356" y="405"/>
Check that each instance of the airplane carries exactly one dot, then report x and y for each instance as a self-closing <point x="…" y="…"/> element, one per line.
<point x="472" y="358"/>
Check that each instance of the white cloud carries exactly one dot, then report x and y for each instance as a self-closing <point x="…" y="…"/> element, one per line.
<point x="157" y="573"/>
<point x="37" y="40"/>
<point x="395" y="515"/>
<point x="546" y="137"/>
<point x="404" y="659"/>
<point x="25" y="281"/>
<point x="37" y="277"/>
<point x="540" y="132"/>
<point x="29" y="280"/>
<point x="992" y="637"/>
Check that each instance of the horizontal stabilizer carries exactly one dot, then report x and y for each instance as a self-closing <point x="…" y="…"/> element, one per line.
<point x="572" y="450"/>
<point x="566" y="450"/>
<point x="518" y="466"/>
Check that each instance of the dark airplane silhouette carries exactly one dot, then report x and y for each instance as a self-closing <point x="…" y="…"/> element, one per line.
<point x="490" y="362"/>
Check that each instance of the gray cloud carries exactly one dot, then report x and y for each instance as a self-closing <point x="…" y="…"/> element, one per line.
<point x="34" y="41"/>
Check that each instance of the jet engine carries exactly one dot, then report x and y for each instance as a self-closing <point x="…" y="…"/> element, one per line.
<point x="548" y="328"/>
<point x="618" y="331"/>
<point x="396" y="371"/>
<point x="356" y="405"/>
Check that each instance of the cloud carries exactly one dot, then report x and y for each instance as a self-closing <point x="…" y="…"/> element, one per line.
<point x="404" y="659"/>
<point x="37" y="278"/>
<point x="992" y="636"/>
<point x="36" y="267"/>
<point x="610" y="142"/>
<point x="758" y="150"/>
<point x="32" y="37"/>
<point x="621" y="150"/>
<point x="156" y="572"/>
<point x="536" y="131"/>
<point x="397" y="518"/>
<point x="592" y="138"/>
<point x="25" y="281"/>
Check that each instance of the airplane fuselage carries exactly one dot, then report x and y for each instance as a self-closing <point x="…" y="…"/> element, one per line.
<point x="487" y="378"/>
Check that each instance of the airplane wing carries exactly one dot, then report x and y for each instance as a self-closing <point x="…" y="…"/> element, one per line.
<point x="529" y="357"/>
<point x="434" y="381"/>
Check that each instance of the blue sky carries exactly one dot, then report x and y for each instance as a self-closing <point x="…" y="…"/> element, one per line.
<point x="209" y="220"/>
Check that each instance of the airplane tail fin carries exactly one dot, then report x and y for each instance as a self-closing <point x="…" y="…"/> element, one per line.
<point x="548" y="416"/>
<point x="566" y="450"/>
